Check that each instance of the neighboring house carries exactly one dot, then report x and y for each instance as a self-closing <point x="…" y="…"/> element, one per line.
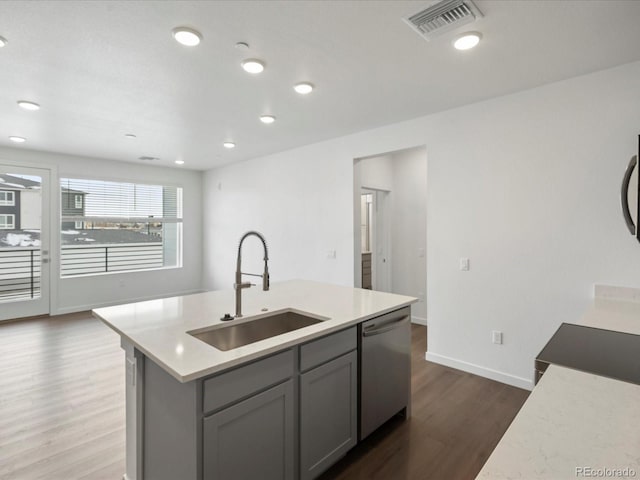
<point x="72" y="204"/>
<point x="19" y="203"/>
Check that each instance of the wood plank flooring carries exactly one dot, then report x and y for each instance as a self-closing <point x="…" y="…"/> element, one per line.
<point x="61" y="400"/>
<point x="457" y="420"/>
<point x="62" y="411"/>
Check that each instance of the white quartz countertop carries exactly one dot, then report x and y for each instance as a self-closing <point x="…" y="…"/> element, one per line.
<point x="158" y="327"/>
<point x="573" y="425"/>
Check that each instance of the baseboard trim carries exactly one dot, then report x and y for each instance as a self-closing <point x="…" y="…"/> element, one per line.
<point x="479" y="370"/>
<point x="84" y="308"/>
<point x="418" y="320"/>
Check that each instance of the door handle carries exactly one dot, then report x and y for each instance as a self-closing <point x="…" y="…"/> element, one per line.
<point x="624" y="191"/>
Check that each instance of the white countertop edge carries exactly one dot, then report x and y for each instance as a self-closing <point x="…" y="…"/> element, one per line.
<point x="254" y="355"/>
<point x="156" y="328"/>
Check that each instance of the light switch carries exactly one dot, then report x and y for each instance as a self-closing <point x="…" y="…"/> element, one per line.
<point x="464" y="264"/>
<point x="331" y="254"/>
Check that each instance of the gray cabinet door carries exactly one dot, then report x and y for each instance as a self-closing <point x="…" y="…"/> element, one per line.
<point x="252" y="439"/>
<point x="328" y="414"/>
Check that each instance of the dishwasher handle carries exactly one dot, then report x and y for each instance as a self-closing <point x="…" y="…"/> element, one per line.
<point x="385" y="327"/>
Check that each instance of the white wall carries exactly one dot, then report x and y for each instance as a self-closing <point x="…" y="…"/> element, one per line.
<point x="526" y="186"/>
<point x="409" y="228"/>
<point x="81" y="293"/>
<point x="297" y="201"/>
<point x="376" y="172"/>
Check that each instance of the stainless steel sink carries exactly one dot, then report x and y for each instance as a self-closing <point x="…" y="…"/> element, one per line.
<point x="237" y="335"/>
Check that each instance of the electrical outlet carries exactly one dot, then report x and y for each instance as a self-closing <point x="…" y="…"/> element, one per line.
<point x="496" y="337"/>
<point x="331" y="254"/>
<point x="464" y="264"/>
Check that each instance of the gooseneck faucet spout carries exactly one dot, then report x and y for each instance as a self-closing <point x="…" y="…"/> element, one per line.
<point x="239" y="284"/>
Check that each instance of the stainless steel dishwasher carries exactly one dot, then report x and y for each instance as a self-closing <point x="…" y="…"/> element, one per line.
<point x="385" y="369"/>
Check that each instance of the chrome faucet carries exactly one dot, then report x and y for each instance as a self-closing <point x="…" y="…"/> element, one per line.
<point x="239" y="285"/>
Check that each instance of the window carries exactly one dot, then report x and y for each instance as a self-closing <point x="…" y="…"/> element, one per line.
<point x="7" y="198"/>
<point x="123" y="227"/>
<point x="7" y="222"/>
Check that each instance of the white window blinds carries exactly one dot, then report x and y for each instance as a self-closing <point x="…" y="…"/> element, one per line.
<point x="119" y="201"/>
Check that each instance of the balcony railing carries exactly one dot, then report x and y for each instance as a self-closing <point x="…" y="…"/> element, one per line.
<point x="20" y="267"/>
<point x="95" y="259"/>
<point x="19" y="273"/>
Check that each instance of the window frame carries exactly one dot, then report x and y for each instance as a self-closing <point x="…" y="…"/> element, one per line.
<point x="5" y="225"/>
<point x="179" y="251"/>
<point x="6" y="202"/>
<point x="78" y="203"/>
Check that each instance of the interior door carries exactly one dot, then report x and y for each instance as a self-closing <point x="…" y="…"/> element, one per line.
<point x="24" y="241"/>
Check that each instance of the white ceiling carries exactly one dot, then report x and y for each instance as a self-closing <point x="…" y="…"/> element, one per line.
<point x="101" y="69"/>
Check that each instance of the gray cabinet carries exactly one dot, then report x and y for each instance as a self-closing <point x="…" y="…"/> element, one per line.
<point x="286" y="416"/>
<point x="328" y="400"/>
<point x="328" y="414"/>
<point x="252" y="439"/>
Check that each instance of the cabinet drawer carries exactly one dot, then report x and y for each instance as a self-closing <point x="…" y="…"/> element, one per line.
<point x="246" y="380"/>
<point x="326" y="348"/>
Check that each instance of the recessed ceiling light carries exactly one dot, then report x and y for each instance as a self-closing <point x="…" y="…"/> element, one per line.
<point x="3" y="42"/>
<point x="267" y="119"/>
<point x="129" y="135"/>
<point x="244" y="46"/>
<point x="187" y="36"/>
<point x="253" y="65"/>
<point x="303" y="88"/>
<point x="179" y="162"/>
<point x="229" y="145"/>
<point x="28" y="105"/>
<point x="467" y="40"/>
<point x="17" y="139"/>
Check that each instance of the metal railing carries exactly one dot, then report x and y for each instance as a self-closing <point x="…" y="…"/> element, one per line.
<point x="95" y="259"/>
<point x="20" y="269"/>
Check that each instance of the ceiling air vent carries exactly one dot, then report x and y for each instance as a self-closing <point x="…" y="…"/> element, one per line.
<point x="442" y="17"/>
<point x="146" y="158"/>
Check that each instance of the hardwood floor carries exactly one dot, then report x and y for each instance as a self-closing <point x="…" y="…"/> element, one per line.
<point x="457" y="420"/>
<point x="61" y="400"/>
<point x="62" y="411"/>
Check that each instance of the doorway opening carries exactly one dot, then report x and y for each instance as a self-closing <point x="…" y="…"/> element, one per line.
<point x="390" y="193"/>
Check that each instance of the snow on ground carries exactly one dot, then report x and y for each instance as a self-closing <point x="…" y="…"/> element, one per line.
<point x="21" y="240"/>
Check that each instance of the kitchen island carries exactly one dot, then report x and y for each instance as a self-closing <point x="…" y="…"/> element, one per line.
<point x="286" y="406"/>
